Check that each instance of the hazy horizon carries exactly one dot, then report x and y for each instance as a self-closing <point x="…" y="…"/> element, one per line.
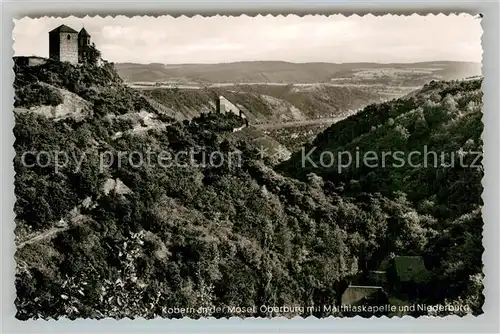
<point x="310" y="39"/>
<point x="300" y="63"/>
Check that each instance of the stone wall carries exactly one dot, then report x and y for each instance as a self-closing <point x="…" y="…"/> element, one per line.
<point x="29" y="61"/>
<point x="68" y="47"/>
<point x="35" y="61"/>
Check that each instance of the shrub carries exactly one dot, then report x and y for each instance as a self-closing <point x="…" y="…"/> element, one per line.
<point x="36" y="94"/>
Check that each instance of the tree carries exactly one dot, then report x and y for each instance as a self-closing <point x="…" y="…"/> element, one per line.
<point x="92" y="55"/>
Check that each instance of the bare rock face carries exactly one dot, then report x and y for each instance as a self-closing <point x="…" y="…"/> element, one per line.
<point x="73" y="106"/>
<point x="115" y="185"/>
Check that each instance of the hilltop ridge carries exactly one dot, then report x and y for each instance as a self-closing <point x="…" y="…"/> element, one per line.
<point x="414" y="74"/>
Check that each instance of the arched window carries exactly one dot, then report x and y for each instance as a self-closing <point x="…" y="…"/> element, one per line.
<point x="68" y="37"/>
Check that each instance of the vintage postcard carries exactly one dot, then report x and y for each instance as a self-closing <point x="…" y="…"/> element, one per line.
<point x="238" y="166"/>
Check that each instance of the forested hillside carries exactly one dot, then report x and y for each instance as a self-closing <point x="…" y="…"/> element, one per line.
<point x="234" y="233"/>
<point x="432" y="144"/>
<point x="437" y="133"/>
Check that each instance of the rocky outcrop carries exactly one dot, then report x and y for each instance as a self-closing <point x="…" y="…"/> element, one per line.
<point x="73" y="106"/>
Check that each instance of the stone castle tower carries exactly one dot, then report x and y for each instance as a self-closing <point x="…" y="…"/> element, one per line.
<point x="83" y="44"/>
<point x="66" y="44"/>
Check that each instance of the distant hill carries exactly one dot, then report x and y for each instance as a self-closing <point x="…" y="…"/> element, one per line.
<point x="284" y="72"/>
<point x="268" y="103"/>
<point x="272" y="91"/>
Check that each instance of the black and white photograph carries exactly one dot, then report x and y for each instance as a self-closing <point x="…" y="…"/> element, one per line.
<point x="248" y="166"/>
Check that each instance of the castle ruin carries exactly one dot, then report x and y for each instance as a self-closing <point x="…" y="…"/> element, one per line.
<point x="224" y="106"/>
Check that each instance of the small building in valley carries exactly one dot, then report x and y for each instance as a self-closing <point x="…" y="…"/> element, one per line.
<point x="408" y="274"/>
<point x="398" y="271"/>
<point x="401" y="274"/>
<point x="410" y="268"/>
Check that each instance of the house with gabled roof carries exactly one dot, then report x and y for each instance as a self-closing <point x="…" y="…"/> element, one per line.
<point x="408" y="275"/>
<point x="410" y="269"/>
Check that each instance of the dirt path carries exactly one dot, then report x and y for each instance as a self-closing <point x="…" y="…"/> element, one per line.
<point x="49" y="233"/>
<point x="74" y="218"/>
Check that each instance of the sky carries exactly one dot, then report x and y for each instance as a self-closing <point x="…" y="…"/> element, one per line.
<point x="218" y="39"/>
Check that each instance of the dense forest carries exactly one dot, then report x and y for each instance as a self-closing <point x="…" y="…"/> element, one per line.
<point x="234" y="234"/>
